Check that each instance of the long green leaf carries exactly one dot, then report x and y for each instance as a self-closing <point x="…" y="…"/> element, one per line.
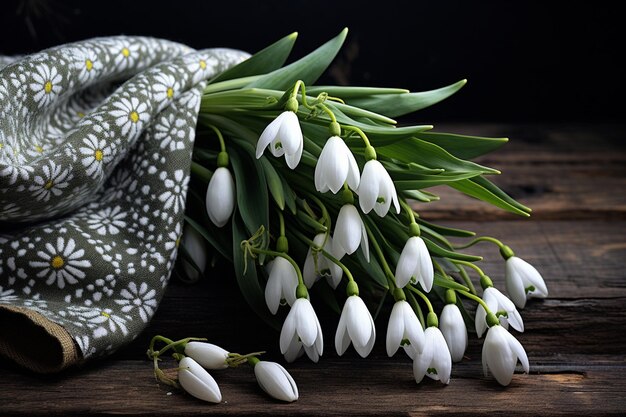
<point x="394" y="105"/>
<point x="492" y="188"/>
<point x="437" y="250"/>
<point x="471" y="188"/>
<point x="307" y="69"/>
<point x="264" y="61"/>
<point x="274" y="183"/>
<point x="463" y="146"/>
<point x="345" y="92"/>
<point x="440" y="281"/>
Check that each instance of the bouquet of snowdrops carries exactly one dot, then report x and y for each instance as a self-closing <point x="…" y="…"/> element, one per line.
<point x="293" y="182"/>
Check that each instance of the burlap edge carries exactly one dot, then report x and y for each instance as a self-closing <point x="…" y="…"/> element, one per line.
<point x="48" y="330"/>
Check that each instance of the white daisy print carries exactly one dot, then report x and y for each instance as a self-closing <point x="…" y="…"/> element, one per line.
<point x="174" y="238"/>
<point x="174" y="197"/>
<point x="200" y="66"/>
<point x="130" y="115"/>
<point x="52" y="182"/>
<point x="88" y="64"/>
<point x="171" y="132"/>
<point x="46" y="84"/>
<point x="95" y="154"/>
<point x="6" y="295"/>
<point x="107" y="221"/>
<point x="165" y="88"/>
<point x="126" y="54"/>
<point x="13" y="164"/>
<point x="61" y="263"/>
<point x="141" y="298"/>
<point x="108" y="321"/>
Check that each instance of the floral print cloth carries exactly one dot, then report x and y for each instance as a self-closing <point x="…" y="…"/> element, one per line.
<point x="95" y="148"/>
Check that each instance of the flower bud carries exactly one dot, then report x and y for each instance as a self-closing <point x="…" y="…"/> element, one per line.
<point x="208" y="355"/>
<point x="276" y="381"/>
<point x="197" y="381"/>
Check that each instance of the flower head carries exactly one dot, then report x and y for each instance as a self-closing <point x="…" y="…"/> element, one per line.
<point x="404" y="329"/>
<point x="208" y="355"/>
<point x="349" y="233"/>
<point x="434" y="361"/>
<point x="454" y="331"/>
<point x="316" y="265"/>
<point x="302" y="329"/>
<point x="357" y="326"/>
<point x="197" y="381"/>
<point x="336" y="165"/>
<point x="284" y="137"/>
<point x="502" y="307"/>
<point x="376" y="190"/>
<point x="276" y="381"/>
<point x="415" y="264"/>
<point x="220" y="196"/>
<point x="281" y="283"/>
<point x="523" y="281"/>
<point x="500" y="354"/>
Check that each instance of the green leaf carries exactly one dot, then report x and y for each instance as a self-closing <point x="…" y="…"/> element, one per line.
<point x="463" y="146"/>
<point x="430" y="155"/>
<point x="419" y="195"/>
<point x="394" y="105"/>
<point x="425" y="181"/>
<point x="252" y="196"/>
<point x="488" y="185"/>
<point x="440" y="281"/>
<point x="344" y="92"/>
<point x="249" y="282"/>
<point x="486" y="194"/>
<point x="437" y="250"/>
<point x="307" y="69"/>
<point x="444" y="230"/>
<point x="274" y="183"/>
<point x="264" y="61"/>
<point x="220" y="241"/>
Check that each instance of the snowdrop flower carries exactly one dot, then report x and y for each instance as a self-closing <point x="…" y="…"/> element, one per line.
<point x="357" y="326"/>
<point x="376" y="190"/>
<point x="302" y="328"/>
<point x="284" y="137"/>
<point x="336" y="165"/>
<point x="500" y="354"/>
<point x="197" y="381"/>
<point x="415" y="264"/>
<point x="403" y="327"/>
<point x="220" y="196"/>
<point x="208" y="355"/>
<point x="454" y="331"/>
<point x="434" y="361"/>
<point x="523" y="281"/>
<point x="498" y="303"/>
<point x="281" y="283"/>
<point x="195" y="245"/>
<point x="316" y="264"/>
<point x="276" y="381"/>
<point x="350" y="233"/>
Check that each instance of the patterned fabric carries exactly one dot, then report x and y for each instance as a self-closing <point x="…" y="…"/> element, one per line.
<point x="95" y="148"/>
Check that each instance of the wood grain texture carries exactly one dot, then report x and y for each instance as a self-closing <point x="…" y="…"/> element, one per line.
<point x="574" y="178"/>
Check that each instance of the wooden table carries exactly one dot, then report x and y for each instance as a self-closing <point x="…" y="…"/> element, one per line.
<point x="573" y="176"/>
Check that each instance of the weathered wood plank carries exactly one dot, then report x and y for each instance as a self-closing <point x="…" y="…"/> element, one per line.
<point x="566" y="171"/>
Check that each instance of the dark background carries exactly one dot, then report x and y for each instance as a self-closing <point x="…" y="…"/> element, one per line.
<point x="526" y="61"/>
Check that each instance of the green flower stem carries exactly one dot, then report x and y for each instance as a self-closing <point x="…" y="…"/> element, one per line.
<point x="202" y="172"/>
<point x="307" y="219"/>
<point x="416" y="308"/>
<point x="423" y="297"/>
<point x="326" y="254"/>
<point x="408" y="209"/>
<point x="326" y="220"/>
<point x="481" y="239"/>
<point x="360" y="133"/>
<point x="469" y="264"/>
<point x="282" y="255"/>
<point x="219" y="136"/>
<point x="391" y="278"/>
<point x="235" y="359"/>
<point x="281" y="220"/>
<point x="475" y="298"/>
<point x="468" y="282"/>
<point x="329" y="112"/>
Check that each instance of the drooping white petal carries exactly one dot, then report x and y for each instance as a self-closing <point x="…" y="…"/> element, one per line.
<point x="348" y="231"/>
<point x="454" y="331"/>
<point x="501" y="352"/>
<point x="357" y="326"/>
<point x="306" y="321"/>
<point x="293" y="159"/>
<point x="404" y="324"/>
<point x="369" y="186"/>
<point x="434" y="361"/>
<point x="520" y="275"/>
<point x="273" y="292"/>
<point x="208" y="355"/>
<point x="426" y="274"/>
<point x="220" y="196"/>
<point x="342" y="338"/>
<point x="407" y="263"/>
<point x="288" y="332"/>
<point x="197" y="381"/>
<point x="268" y="135"/>
<point x="276" y="381"/>
<point x="332" y="167"/>
<point x="395" y="329"/>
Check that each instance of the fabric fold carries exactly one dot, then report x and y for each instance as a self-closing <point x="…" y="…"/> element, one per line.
<point x="96" y="139"/>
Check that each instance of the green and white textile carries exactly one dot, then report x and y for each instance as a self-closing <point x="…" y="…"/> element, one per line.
<point x="96" y="140"/>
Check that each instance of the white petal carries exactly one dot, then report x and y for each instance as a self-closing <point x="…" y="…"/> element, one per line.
<point x="289" y="133"/>
<point x="358" y="321"/>
<point x="454" y="331"/>
<point x="293" y="159"/>
<point x="220" y="196"/>
<point x="480" y="321"/>
<point x="518" y="350"/>
<point x="413" y="328"/>
<point x="294" y="351"/>
<point x="395" y="329"/>
<point x="514" y="283"/>
<point x="369" y="186"/>
<point x="273" y="291"/>
<point x="348" y="230"/>
<point x="197" y="381"/>
<point x="208" y="355"/>
<point x="306" y="321"/>
<point x="407" y="263"/>
<point x="442" y="362"/>
<point x="342" y="338"/>
<point x="268" y="135"/>
<point x="288" y="331"/>
<point x="422" y="361"/>
<point x="426" y="270"/>
<point x="276" y="381"/>
<point x="500" y="359"/>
